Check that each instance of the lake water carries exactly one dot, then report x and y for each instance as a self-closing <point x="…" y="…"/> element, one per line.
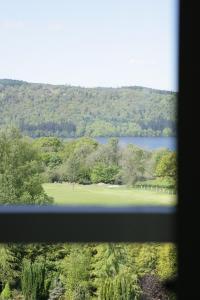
<point x="148" y="143"/>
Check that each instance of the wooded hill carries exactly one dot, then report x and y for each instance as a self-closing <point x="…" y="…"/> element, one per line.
<point x="72" y="111"/>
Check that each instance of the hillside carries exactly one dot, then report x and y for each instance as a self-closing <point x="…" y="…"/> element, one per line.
<point x="68" y="111"/>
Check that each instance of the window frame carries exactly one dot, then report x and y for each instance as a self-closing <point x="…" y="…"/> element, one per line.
<point x="136" y="224"/>
<point x="188" y="220"/>
<point x="87" y="224"/>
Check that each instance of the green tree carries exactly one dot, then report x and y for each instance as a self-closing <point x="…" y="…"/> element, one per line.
<point x="49" y="144"/>
<point x="73" y="169"/>
<point x="113" y="278"/>
<point x="167" y="168"/>
<point x="33" y="280"/>
<point x="113" y="151"/>
<point x="6" y="293"/>
<point x="108" y="154"/>
<point x="108" y="260"/>
<point x="50" y="150"/>
<point x="76" y="166"/>
<point x="123" y="286"/>
<point x="132" y="164"/>
<point x="155" y="157"/>
<point x="9" y="265"/>
<point x="75" y="273"/>
<point x="104" y="173"/>
<point x="20" y="169"/>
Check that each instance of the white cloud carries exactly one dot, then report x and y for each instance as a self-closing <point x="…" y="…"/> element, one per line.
<point x="56" y="26"/>
<point x="137" y="61"/>
<point x="11" y="24"/>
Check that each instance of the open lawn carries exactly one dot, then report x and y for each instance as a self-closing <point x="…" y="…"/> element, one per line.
<point x="101" y="194"/>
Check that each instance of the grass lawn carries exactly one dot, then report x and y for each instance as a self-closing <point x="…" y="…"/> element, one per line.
<point x="64" y="193"/>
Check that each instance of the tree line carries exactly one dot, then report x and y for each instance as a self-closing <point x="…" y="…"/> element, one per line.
<point x="69" y="111"/>
<point x="85" y="161"/>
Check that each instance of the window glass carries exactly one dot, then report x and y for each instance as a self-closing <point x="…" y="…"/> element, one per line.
<point x="88" y="102"/>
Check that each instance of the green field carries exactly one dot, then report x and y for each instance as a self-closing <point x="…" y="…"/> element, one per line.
<point x="66" y="194"/>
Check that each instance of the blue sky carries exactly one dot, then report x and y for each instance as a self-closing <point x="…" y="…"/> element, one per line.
<point x="90" y="42"/>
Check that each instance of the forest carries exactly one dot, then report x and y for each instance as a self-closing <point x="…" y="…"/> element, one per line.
<point x="71" y="111"/>
<point x="80" y="271"/>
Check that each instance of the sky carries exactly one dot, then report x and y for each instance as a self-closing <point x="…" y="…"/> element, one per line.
<point x="90" y="43"/>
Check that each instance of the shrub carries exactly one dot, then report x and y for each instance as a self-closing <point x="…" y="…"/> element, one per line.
<point x="6" y="293"/>
<point x="104" y="173"/>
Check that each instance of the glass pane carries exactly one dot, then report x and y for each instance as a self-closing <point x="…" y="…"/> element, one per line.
<point x="87" y="271"/>
<point x="88" y="109"/>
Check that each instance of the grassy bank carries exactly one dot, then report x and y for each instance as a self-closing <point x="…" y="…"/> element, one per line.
<point x="66" y="194"/>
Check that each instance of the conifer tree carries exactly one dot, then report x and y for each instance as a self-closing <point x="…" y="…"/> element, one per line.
<point x="124" y="286"/>
<point x="9" y="265"/>
<point x="33" y="280"/>
<point x="75" y="270"/>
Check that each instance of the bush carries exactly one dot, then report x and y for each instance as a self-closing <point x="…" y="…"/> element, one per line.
<point x="167" y="183"/>
<point x="6" y="293"/>
<point x="104" y="173"/>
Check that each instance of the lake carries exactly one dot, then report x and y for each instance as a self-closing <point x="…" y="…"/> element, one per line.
<point x="148" y="143"/>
